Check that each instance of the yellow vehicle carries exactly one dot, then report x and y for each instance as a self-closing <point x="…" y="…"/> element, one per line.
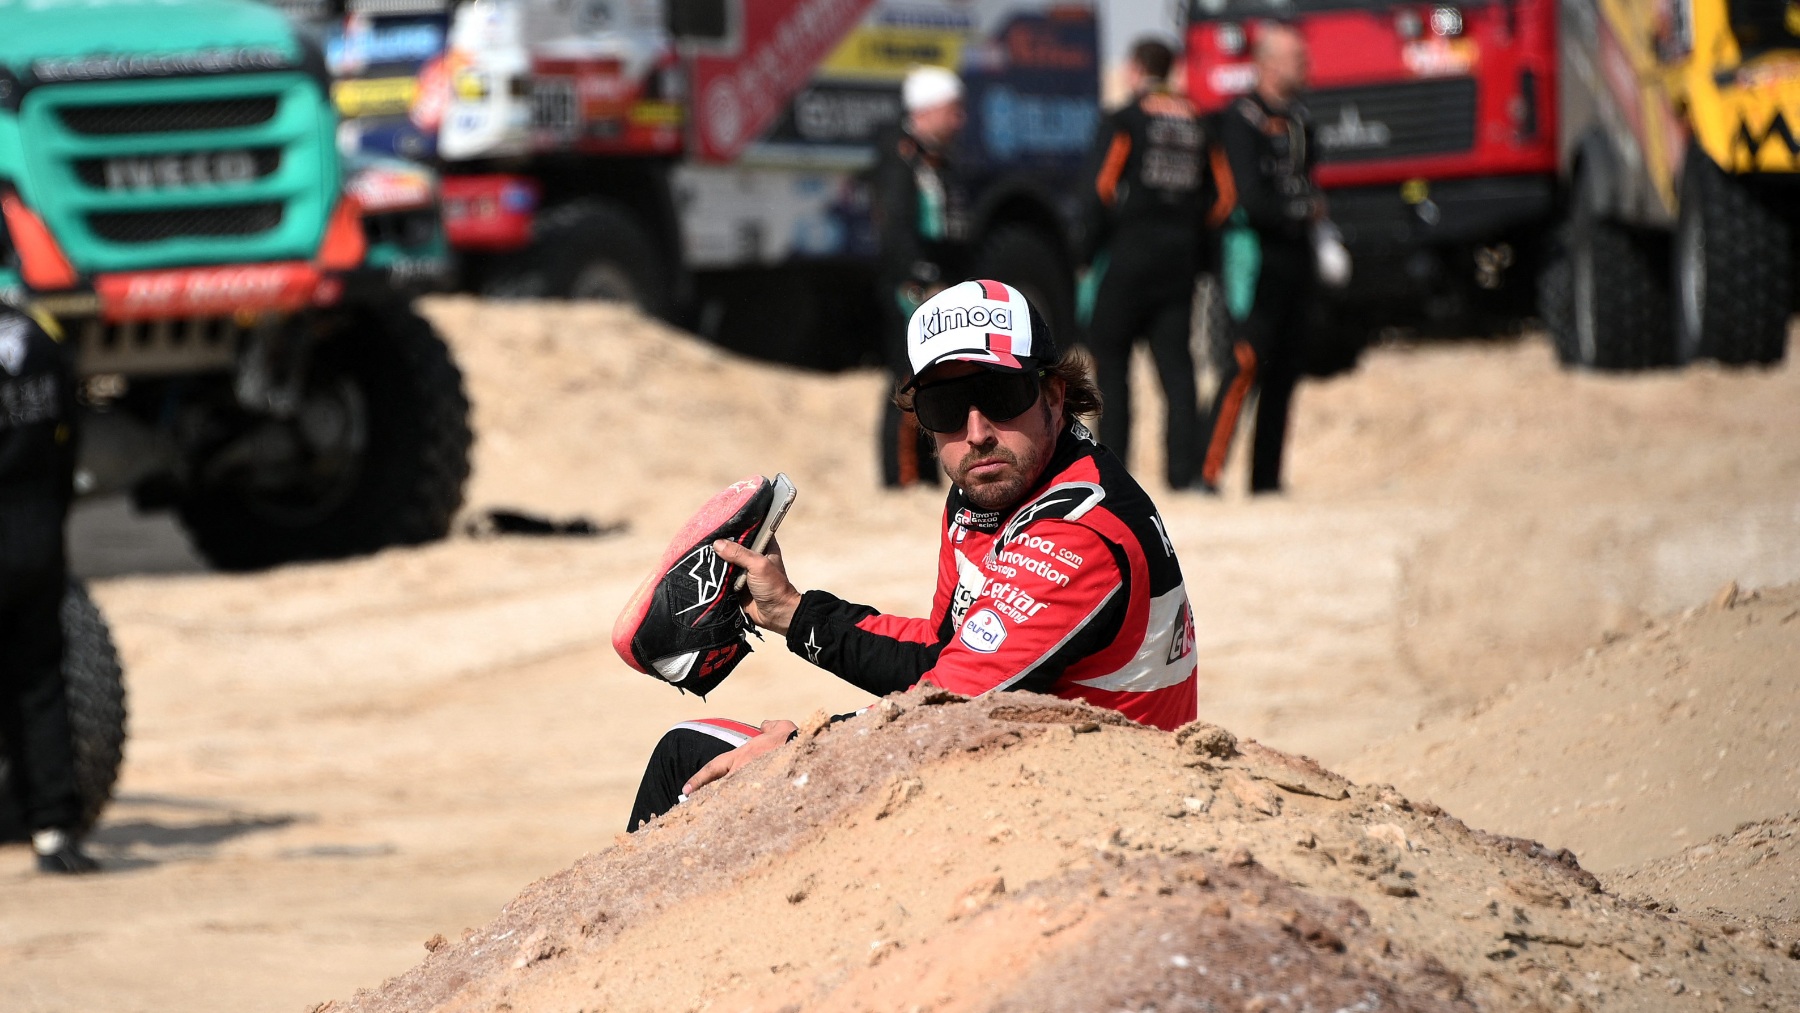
<point x="1679" y="137"/>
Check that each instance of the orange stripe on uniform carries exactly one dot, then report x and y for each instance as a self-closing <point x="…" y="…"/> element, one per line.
<point x="1227" y="184"/>
<point x="1107" y="185"/>
<point x="1228" y="412"/>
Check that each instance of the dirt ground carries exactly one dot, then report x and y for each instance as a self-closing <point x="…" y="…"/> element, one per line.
<point x="330" y="764"/>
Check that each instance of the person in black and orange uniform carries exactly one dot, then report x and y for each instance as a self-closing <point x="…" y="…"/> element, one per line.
<point x="1267" y="264"/>
<point x="37" y="472"/>
<point x="1159" y="188"/>
<point x="920" y="218"/>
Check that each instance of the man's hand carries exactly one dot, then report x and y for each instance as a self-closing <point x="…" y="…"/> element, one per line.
<point x="773" y="735"/>
<point x="773" y="598"/>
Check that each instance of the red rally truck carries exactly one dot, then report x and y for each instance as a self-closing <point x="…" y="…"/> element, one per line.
<point x="1436" y="125"/>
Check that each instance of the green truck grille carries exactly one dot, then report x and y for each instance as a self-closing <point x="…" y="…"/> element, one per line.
<point x="148" y="174"/>
<point x="156" y="226"/>
<point x="162" y="118"/>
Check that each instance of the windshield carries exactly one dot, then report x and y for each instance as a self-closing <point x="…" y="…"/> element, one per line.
<point x="1763" y="25"/>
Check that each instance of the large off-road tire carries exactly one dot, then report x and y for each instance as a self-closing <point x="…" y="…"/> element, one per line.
<point x="1619" y="305"/>
<point x="1030" y="260"/>
<point x="588" y="249"/>
<point x="1556" y="293"/>
<point x="382" y="453"/>
<point x="96" y="692"/>
<point x="1733" y="270"/>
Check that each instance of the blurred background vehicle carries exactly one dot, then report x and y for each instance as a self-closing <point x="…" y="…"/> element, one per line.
<point x="1437" y="141"/>
<point x="1624" y="170"/>
<point x="707" y="159"/>
<point x="173" y="194"/>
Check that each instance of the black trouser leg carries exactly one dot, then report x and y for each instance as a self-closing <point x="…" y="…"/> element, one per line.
<point x="1274" y="395"/>
<point x="1169" y="346"/>
<point x="1110" y="337"/>
<point x="1287" y="297"/>
<point x="1236" y="379"/>
<point x="908" y="454"/>
<point x="34" y="708"/>
<point x="678" y="756"/>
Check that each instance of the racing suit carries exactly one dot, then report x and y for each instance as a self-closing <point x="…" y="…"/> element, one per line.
<point x="1160" y="186"/>
<point x="1267" y="271"/>
<point x="37" y="467"/>
<point x="1074" y="592"/>
<point x="921" y="219"/>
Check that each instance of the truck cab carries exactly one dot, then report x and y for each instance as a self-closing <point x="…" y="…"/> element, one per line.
<point x="1436" y="125"/>
<point x="173" y="196"/>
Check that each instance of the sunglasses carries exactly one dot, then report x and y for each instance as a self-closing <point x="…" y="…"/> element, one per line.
<point x="943" y="407"/>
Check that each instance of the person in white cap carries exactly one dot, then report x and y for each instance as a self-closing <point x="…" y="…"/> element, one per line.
<point x="1055" y="573"/>
<point x="919" y="212"/>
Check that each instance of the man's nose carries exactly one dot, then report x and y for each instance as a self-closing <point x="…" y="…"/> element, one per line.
<point x="979" y="430"/>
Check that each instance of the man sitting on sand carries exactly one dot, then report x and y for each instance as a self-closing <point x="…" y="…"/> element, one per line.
<point x="1055" y="573"/>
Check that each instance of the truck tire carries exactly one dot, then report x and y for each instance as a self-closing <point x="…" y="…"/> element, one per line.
<point x="96" y="690"/>
<point x="588" y="249"/>
<point x="385" y="466"/>
<point x="1733" y="270"/>
<point x="1619" y="308"/>
<point x="1030" y="260"/>
<point x="1556" y="294"/>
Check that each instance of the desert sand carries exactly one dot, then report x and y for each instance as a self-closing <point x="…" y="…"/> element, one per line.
<point x="332" y="764"/>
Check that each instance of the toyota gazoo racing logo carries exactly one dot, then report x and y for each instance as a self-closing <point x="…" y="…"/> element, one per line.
<point x="180" y="172"/>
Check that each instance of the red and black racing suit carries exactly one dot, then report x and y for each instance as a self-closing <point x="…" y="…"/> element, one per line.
<point x="1075" y="592"/>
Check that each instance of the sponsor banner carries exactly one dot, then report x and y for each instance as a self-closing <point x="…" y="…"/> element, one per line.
<point x="380" y="96"/>
<point x="364" y="42"/>
<point x="1033" y="94"/>
<point x="887" y="51"/>
<point x="214" y="291"/>
<point x="838" y="113"/>
<point x="740" y="91"/>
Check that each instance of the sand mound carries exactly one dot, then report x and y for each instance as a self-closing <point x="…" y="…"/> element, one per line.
<point x="1681" y="730"/>
<point x="1749" y="875"/>
<point x="1020" y="852"/>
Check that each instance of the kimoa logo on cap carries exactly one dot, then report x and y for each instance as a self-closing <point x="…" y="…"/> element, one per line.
<point x="952" y="318"/>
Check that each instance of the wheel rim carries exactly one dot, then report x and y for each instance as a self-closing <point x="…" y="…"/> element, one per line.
<point x="1690" y="283"/>
<point x="606" y="281"/>
<point x="331" y="430"/>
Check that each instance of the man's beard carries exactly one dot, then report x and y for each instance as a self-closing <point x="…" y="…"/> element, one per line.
<point x="1004" y="492"/>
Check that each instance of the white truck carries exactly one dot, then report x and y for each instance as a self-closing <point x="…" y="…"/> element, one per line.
<point x="706" y="159"/>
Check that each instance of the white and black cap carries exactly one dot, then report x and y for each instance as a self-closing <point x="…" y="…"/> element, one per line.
<point x="986" y="322"/>
<point x="930" y="87"/>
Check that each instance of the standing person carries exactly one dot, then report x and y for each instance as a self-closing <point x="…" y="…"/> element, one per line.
<point x="920" y="218"/>
<point x="37" y="471"/>
<point x="1267" y="263"/>
<point x="1158" y="190"/>
<point x="1055" y="573"/>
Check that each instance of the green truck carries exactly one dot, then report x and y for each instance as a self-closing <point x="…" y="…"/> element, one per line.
<point x="237" y="294"/>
